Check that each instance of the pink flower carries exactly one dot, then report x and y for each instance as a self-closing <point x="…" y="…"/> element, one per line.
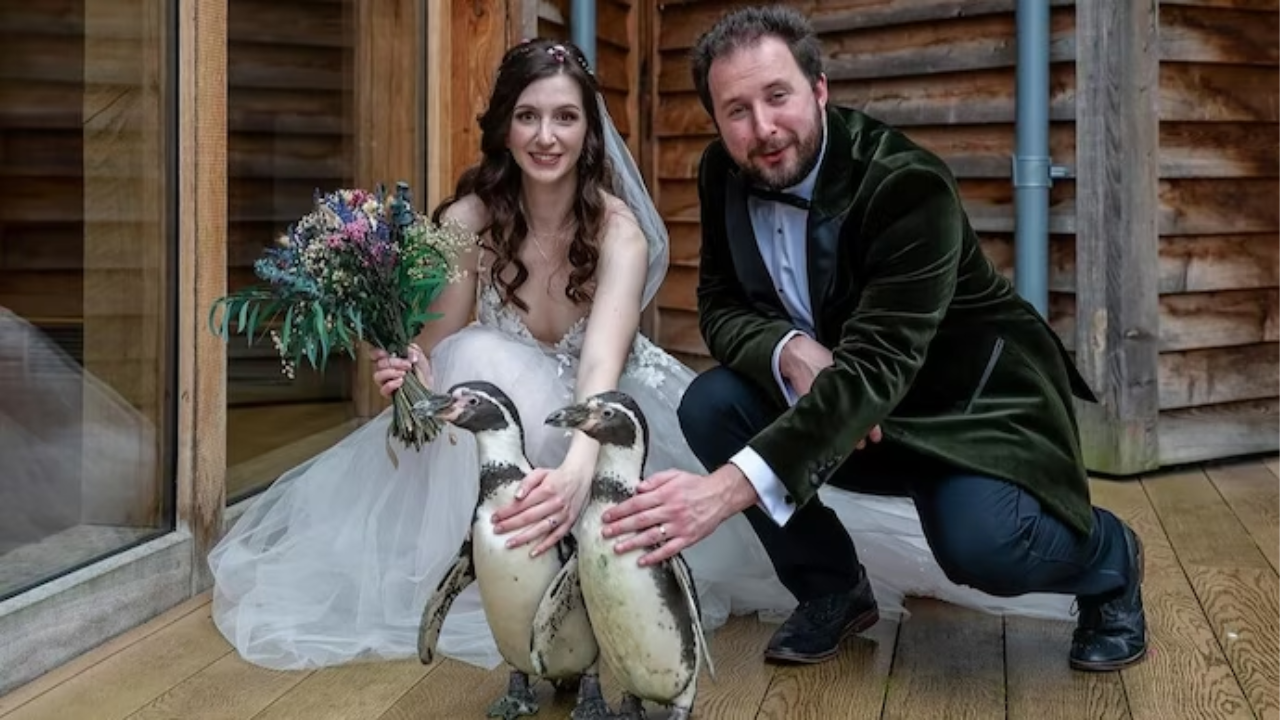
<point x="357" y="229"/>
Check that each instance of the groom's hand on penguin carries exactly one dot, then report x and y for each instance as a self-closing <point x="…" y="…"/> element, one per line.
<point x="675" y="509"/>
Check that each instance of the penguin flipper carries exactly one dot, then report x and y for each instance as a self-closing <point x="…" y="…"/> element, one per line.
<point x="562" y="597"/>
<point x="685" y="578"/>
<point x="462" y="574"/>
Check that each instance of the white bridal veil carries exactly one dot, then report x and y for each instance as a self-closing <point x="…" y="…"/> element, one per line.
<point x="629" y="186"/>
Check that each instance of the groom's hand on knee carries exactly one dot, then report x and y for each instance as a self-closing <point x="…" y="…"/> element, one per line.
<point x="800" y="361"/>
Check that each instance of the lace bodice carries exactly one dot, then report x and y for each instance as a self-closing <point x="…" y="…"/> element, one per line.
<point x="491" y="312"/>
<point x="647" y="362"/>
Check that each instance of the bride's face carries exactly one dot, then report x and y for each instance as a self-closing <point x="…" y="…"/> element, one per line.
<point x="548" y="127"/>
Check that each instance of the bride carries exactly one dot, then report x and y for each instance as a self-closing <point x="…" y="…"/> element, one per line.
<point x="335" y="561"/>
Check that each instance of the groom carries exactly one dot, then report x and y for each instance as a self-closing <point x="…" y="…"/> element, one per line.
<point x="845" y="297"/>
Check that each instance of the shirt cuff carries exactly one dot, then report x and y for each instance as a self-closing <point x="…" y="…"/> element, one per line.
<point x="774" y="498"/>
<point x="787" y="392"/>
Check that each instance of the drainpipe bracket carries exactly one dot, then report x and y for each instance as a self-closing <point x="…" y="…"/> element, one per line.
<point x="1034" y="171"/>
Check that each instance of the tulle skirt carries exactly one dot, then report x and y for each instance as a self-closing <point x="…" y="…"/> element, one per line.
<point x="336" y="560"/>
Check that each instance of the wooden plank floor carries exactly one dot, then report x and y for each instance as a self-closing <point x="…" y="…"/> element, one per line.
<point x="1211" y="538"/>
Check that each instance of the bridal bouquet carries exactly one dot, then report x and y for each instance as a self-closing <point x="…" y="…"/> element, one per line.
<point x="361" y="266"/>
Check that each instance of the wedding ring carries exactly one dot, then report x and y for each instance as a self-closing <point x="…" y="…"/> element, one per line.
<point x="551" y="521"/>
<point x="662" y="530"/>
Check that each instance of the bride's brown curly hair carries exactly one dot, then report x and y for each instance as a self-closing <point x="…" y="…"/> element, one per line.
<point x="495" y="180"/>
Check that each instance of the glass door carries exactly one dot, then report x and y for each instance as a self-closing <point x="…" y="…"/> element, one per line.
<point x="87" y="282"/>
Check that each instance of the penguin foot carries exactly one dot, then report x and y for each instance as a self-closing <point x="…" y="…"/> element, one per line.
<point x="680" y="713"/>
<point x="519" y="700"/>
<point x="591" y="703"/>
<point x="631" y="708"/>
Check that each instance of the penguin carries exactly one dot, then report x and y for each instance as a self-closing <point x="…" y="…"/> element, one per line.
<point x="514" y="587"/>
<point x="647" y="620"/>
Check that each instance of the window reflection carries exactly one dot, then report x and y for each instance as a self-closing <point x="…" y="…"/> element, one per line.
<point x="289" y="117"/>
<point x="86" y="283"/>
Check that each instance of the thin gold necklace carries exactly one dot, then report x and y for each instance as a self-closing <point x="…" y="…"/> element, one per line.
<point x="560" y="232"/>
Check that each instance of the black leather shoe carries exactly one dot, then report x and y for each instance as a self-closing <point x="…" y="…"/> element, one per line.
<point x="813" y="632"/>
<point x="1112" y="631"/>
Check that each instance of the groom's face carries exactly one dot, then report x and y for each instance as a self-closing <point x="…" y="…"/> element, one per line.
<point x="768" y="113"/>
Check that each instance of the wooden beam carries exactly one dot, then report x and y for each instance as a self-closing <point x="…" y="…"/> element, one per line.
<point x="483" y="25"/>
<point x="389" y="137"/>
<point x="1117" y="225"/>
<point x="522" y="20"/>
<point x="439" y="79"/>
<point x="202" y="247"/>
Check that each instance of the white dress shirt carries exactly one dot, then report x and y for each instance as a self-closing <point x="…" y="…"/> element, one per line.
<point x="780" y="231"/>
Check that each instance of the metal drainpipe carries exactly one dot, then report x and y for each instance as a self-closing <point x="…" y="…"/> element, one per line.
<point x="1032" y="167"/>
<point x="582" y="24"/>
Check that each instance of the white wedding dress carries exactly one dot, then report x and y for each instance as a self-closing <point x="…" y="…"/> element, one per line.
<point x="335" y="561"/>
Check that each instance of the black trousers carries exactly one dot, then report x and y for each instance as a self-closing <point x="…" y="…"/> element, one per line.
<point x="985" y="533"/>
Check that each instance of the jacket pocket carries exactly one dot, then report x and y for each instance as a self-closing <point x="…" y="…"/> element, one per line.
<point x="996" y="351"/>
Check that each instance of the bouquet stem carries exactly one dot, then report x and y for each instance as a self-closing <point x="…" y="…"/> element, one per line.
<point x="407" y="427"/>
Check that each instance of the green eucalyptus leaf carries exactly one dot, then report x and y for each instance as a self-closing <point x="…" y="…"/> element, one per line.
<point x="287" y="333"/>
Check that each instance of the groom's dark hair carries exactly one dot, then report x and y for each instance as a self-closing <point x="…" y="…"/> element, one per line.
<point x="747" y="26"/>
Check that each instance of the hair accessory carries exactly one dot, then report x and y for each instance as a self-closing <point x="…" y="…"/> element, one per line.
<point x="558" y="52"/>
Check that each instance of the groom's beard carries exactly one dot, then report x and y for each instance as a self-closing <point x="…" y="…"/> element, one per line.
<point x="807" y="151"/>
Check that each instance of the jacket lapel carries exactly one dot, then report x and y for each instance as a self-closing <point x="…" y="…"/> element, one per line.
<point x="832" y="198"/>
<point x="742" y="244"/>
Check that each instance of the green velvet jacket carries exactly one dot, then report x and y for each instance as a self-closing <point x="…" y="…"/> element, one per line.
<point x="929" y="340"/>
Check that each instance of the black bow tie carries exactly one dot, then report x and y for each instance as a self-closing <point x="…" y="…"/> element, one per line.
<point x="774" y="195"/>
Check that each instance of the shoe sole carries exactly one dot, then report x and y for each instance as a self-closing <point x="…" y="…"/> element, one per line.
<point x="1114" y="665"/>
<point x="855" y="626"/>
<point x="1109" y="666"/>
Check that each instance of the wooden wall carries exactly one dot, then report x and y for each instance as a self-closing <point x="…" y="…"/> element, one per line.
<point x="1219" y="227"/>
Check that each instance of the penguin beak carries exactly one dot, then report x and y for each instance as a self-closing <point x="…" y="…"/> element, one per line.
<point x="573" y="416"/>
<point x="435" y="406"/>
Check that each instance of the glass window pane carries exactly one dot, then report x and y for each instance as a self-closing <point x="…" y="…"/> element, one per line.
<point x="87" y="282"/>
<point x="290" y="120"/>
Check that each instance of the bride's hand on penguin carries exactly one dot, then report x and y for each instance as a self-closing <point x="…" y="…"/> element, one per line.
<point x="389" y="371"/>
<point x="675" y="509"/>
<point x="548" y="503"/>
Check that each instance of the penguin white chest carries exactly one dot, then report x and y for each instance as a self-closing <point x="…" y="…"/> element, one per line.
<point x="511" y="583"/>
<point x="636" y="612"/>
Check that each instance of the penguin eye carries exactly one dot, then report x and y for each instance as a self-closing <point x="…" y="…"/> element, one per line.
<point x="473" y="401"/>
<point x="608" y="413"/>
